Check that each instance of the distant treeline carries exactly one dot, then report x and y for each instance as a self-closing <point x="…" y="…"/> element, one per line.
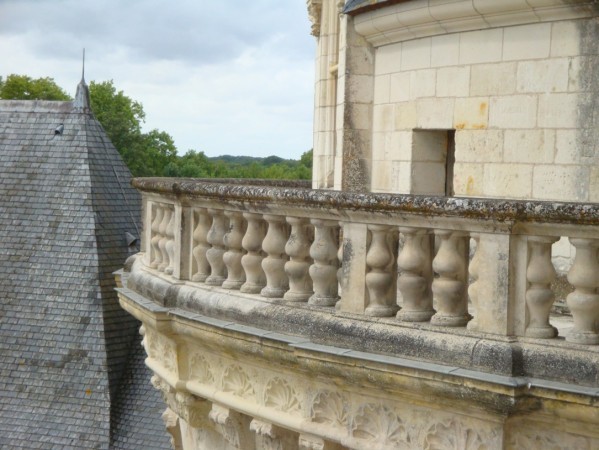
<point x="153" y="153"/>
<point x="197" y="165"/>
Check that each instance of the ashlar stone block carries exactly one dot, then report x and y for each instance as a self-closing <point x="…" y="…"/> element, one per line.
<point x="493" y="79"/>
<point x="508" y="180"/>
<point x="550" y="75"/>
<point x="529" y="146"/>
<point x="515" y="111"/>
<point x="471" y="113"/>
<point x="479" y="145"/>
<point x="532" y="41"/>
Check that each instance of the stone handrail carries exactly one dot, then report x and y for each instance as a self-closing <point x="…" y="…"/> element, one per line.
<point x="480" y="264"/>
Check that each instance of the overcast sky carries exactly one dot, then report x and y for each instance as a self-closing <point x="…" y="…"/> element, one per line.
<point x="221" y="76"/>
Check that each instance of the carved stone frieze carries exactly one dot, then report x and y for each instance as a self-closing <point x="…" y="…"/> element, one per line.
<point x="237" y="382"/>
<point x="330" y="408"/>
<point x="530" y="435"/>
<point x="380" y="425"/>
<point x="281" y="396"/>
<point x="455" y="435"/>
<point x="200" y="369"/>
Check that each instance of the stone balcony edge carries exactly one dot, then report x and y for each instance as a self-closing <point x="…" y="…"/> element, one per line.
<point x="465" y="353"/>
<point x="511" y="382"/>
<point x="496" y="210"/>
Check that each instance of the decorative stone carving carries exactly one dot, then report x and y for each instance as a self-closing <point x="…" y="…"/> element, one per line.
<point x="234" y="427"/>
<point x="324" y="270"/>
<point x="341" y="277"/>
<point x="274" y="263"/>
<point x="171" y="423"/>
<point x="584" y="301"/>
<point x="236" y="381"/>
<point x="380" y="279"/>
<point x="166" y="218"/>
<point x="270" y="437"/>
<point x="190" y="408"/>
<point x="298" y="266"/>
<point x="473" y="290"/>
<point x="379" y="426"/>
<point x="155" y="227"/>
<point x="169" y="246"/>
<point x="199" y="369"/>
<point x="203" y="222"/>
<point x="234" y="253"/>
<point x="449" y="290"/>
<point x="415" y="264"/>
<point x="309" y="442"/>
<point x="527" y="436"/>
<point x="330" y="408"/>
<point x="454" y="435"/>
<point x="218" y="271"/>
<point x="281" y="396"/>
<point x="252" y="261"/>
<point x="315" y="13"/>
<point x="539" y="296"/>
<point x="166" y="353"/>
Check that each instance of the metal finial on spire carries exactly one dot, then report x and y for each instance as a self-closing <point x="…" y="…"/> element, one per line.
<point x="83" y="67"/>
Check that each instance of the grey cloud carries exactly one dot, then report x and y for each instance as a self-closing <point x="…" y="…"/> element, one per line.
<point x="197" y="32"/>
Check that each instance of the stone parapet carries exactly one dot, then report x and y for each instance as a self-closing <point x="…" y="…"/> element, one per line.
<point x="291" y="310"/>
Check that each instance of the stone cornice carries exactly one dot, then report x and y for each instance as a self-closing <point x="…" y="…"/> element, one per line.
<point x="314" y="14"/>
<point x="397" y="22"/>
<point x="496" y="210"/>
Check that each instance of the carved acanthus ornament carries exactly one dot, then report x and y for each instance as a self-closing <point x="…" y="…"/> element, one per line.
<point x="237" y="382"/>
<point x="231" y="425"/>
<point x="330" y="408"/>
<point x="281" y="396"/>
<point x="315" y="14"/>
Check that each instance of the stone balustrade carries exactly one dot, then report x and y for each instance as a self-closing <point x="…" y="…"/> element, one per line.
<point x="477" y="265"/>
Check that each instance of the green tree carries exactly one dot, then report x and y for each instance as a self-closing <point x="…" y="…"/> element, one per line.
<point x="22" y="87"/>
<point x="146" y="154"/>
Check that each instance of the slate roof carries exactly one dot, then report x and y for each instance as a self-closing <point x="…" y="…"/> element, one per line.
<point x="65" y="205"/>
<point x="357" y="6"/>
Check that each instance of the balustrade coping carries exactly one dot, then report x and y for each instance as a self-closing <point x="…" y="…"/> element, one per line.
<point x="299" y="194"/>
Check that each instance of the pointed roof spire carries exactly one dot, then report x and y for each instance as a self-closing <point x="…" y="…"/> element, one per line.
<point x="82" y="102"/>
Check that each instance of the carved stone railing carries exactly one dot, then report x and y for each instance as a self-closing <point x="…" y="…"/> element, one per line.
<point x="477" y="265"/>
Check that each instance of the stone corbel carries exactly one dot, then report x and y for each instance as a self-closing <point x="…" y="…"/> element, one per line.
<point x="310" y="442"/>
<point x="315" y="14"/>
<point x="191" y="409"/>
<point x="171" y="423"/>
<point x="231" y="425"/>
<point x="269" y="435"/>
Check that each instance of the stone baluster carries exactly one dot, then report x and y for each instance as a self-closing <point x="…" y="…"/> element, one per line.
<point x="449" y="289"/>
<point x="298" y="266"/>
<point x="164" y="239"/>
<point x="473" y="290"/>
<point x="252" y="260"/>
<point x="234" y="253"/>
<point x="539" y="296"/>
<point x="156" y="255"/>
<point x="202" y="221"/>
<point x="416" y="275"/>
<point x="274" y="263"/>
<point x="170" y="242"/>
<point x="218" y="270"/>
<point x="584" y="301"/>
<point x="340" y="275"/>
<point x="324" y="269"/>
<point x="380" y="279"/>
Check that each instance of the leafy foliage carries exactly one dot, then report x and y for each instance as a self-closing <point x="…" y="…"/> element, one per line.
<point x="154" y="153"/>
<point x="22" y="87"/>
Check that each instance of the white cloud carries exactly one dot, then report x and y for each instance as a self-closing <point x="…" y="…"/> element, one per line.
<point x="223" y="77"/>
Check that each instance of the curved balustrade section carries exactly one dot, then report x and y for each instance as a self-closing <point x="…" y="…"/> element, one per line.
<point x="483" y="265"/>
